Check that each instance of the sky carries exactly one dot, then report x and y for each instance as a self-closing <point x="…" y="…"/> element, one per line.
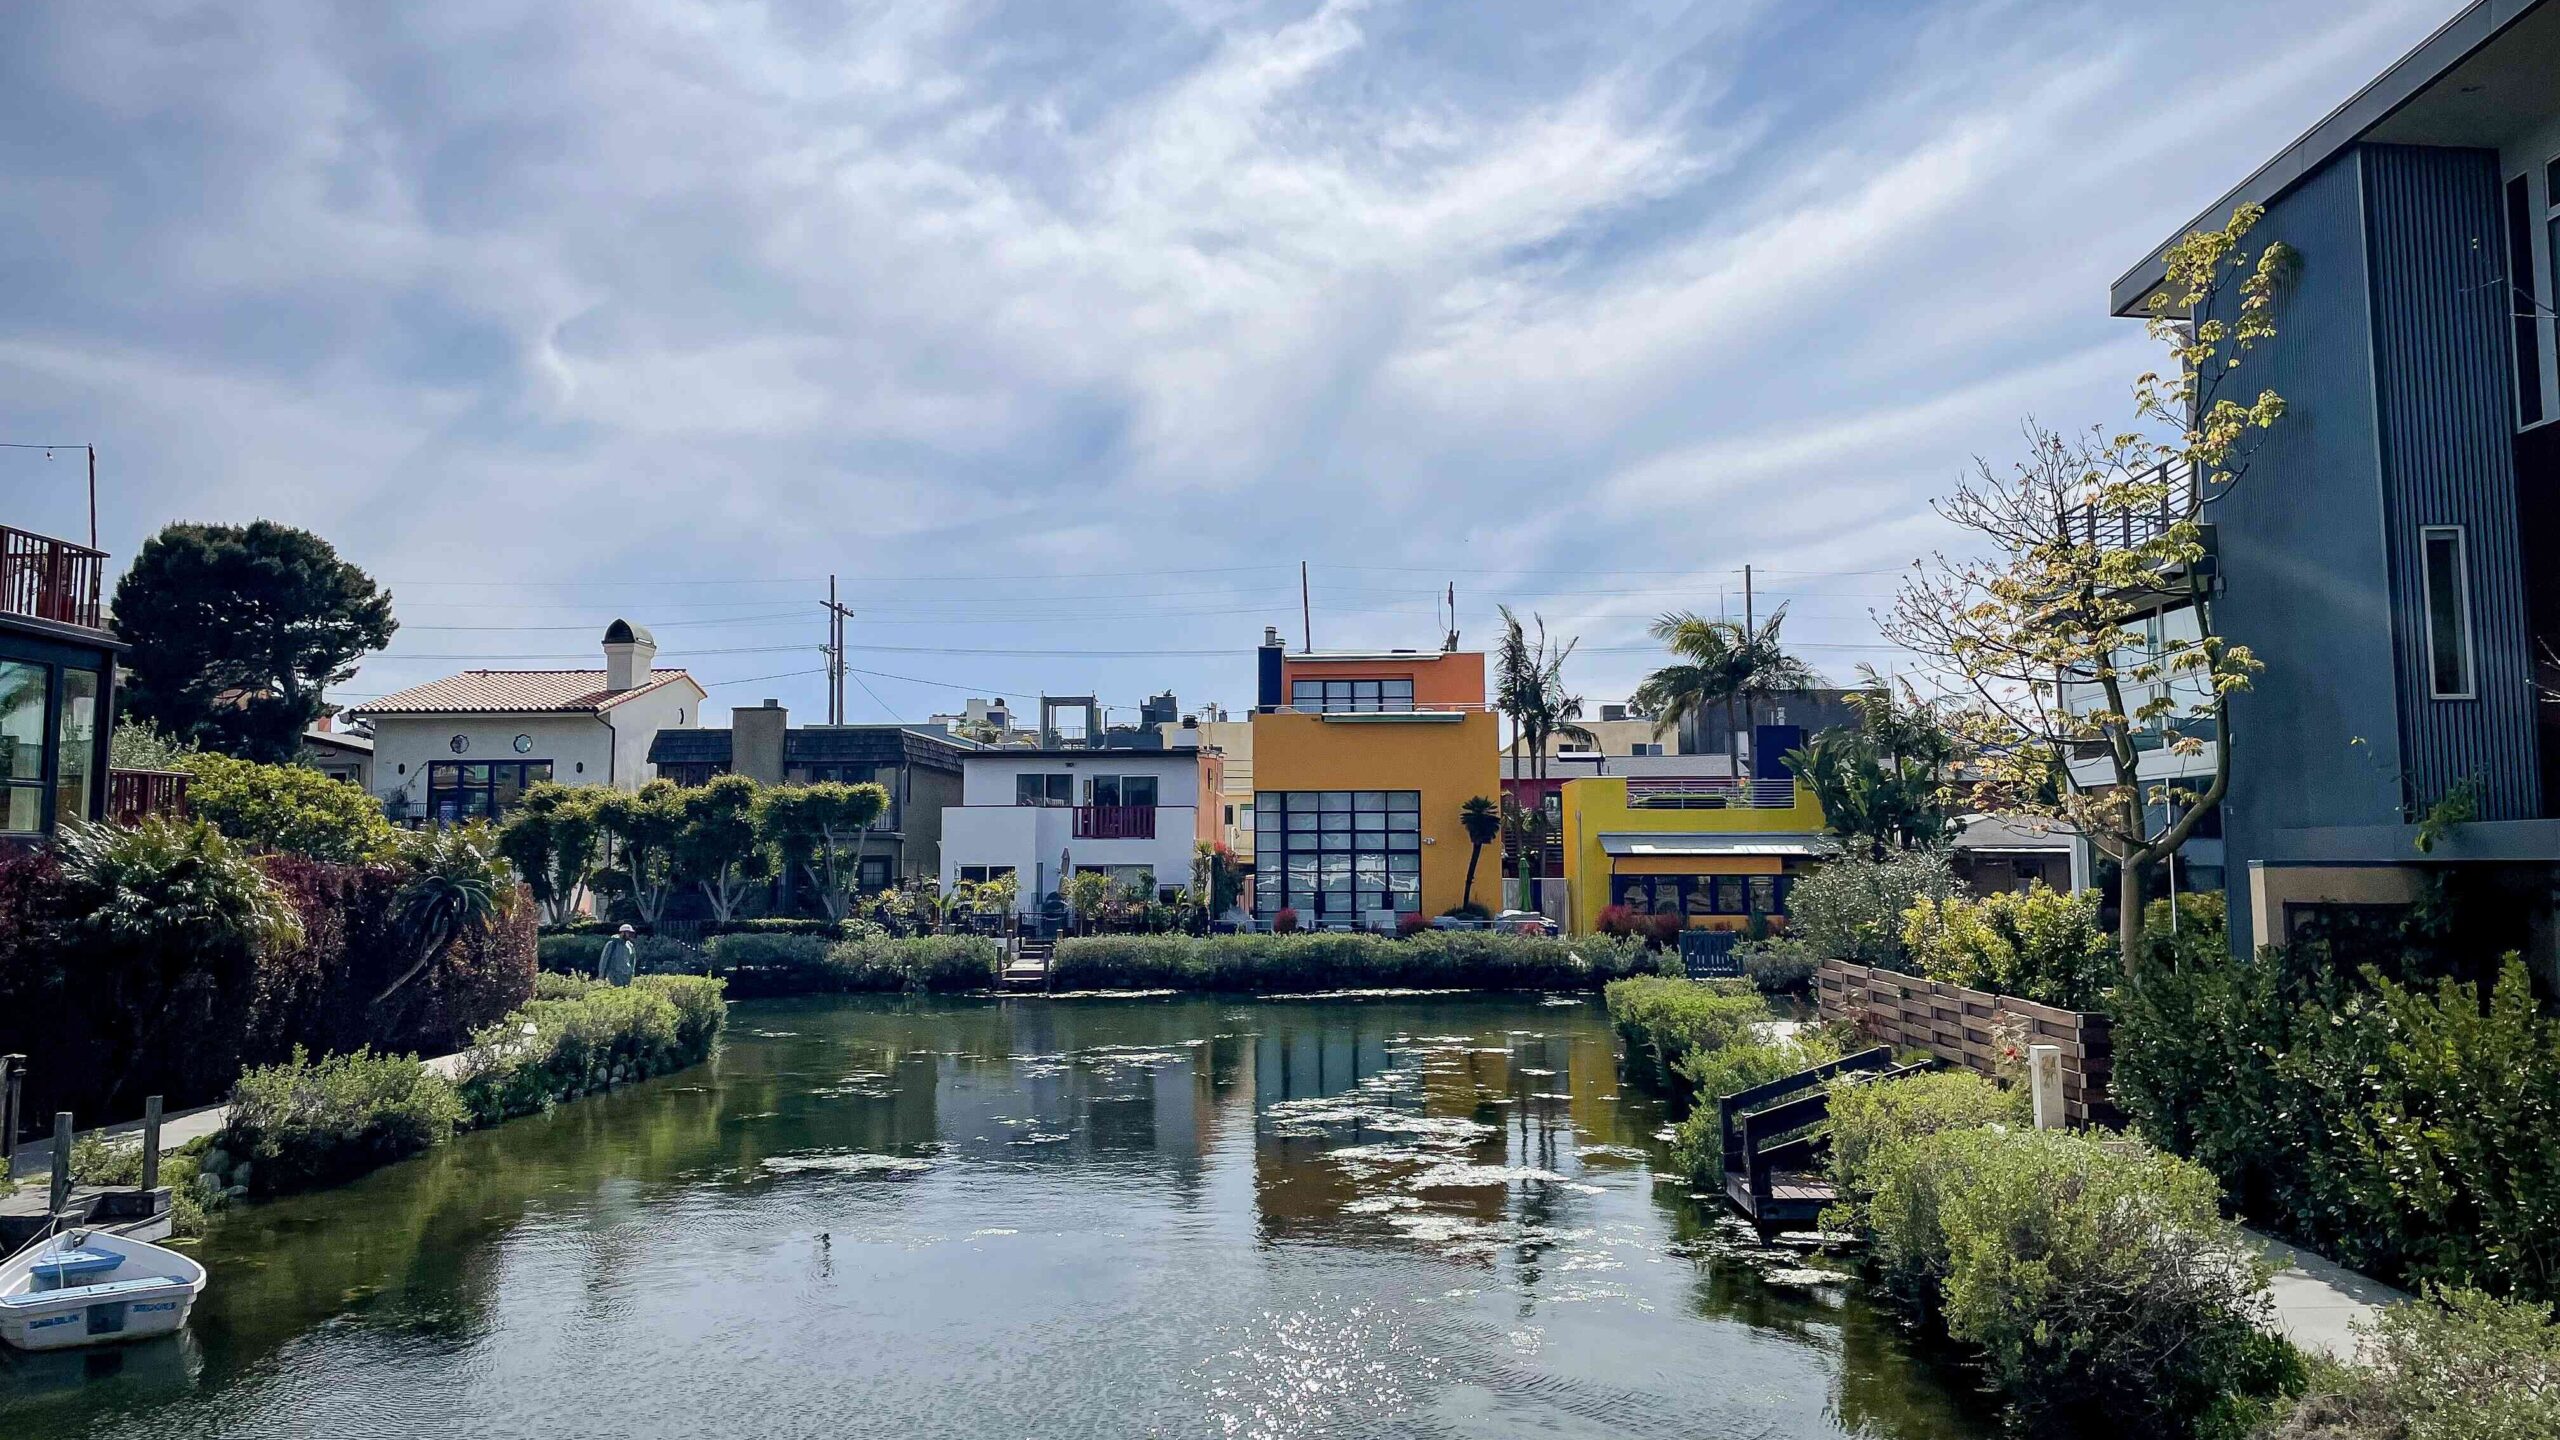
<point x="1063" y="333"/>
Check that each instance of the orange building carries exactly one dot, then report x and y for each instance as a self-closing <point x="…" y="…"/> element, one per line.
<point x="1361" y="762"/>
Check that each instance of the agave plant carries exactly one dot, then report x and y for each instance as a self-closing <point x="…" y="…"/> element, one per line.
<point x="460" y="884"/>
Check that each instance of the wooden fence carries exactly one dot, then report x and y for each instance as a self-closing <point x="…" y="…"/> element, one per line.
<point x="1960" y="1027"/>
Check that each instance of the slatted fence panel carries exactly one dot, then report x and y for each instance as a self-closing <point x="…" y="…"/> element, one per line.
<point x="1958" y="1026"/>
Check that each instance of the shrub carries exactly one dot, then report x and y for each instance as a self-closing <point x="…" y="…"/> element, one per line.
<point x="2098" y="1279"/>
<point x="1666" y="1020"/>
<point x="1850" y="909"/>
<point x="1617" y="920"/>
<point x="1286" y="922"/>
<point x="2037" y="945"/>
<point x="573" y="954"/>
<point x="2407" y="1131"/>
<point x="765" y="963"/>
<point x="1872" y="1119"/>
<point x="2455" y="1365"/>
<point x="918" y="964"/>
<point x="591" y="1038"/>
<point x="1410" y="924"/>
<point x="291" y="808"/>
<point x="1452" y="959"/>
<point x="308" y="1123"/>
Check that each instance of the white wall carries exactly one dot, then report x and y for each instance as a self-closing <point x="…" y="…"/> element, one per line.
<point x="584" y="749"/>
<point x="989" y="779"/>
<point x="1032" y="838"/>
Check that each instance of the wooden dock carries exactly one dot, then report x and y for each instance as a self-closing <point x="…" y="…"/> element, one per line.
<point x="1774" y="1143"/>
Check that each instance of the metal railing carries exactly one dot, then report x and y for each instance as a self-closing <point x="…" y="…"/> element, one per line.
<point x="1710" y="792"/>
<point x="1115" y="822"/>
<point x="51" y="579"/>
<point x="2117" y="527"/>
<point x="134" y="796"/>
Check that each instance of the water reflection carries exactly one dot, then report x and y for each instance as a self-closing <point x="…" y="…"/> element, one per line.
<point x="1397" y="1217"/>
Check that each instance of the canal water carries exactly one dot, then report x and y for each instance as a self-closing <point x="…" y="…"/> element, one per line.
<point x="1392" y="1216"/>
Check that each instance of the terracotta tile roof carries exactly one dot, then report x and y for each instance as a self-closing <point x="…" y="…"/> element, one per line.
<point x="511" y="692"/>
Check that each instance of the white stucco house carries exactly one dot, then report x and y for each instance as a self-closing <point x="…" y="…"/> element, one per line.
<point x="466" y="746"/>
<point x="1040" y="814"/>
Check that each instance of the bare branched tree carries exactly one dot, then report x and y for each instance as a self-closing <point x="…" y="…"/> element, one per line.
<point x="2050" y="625"/>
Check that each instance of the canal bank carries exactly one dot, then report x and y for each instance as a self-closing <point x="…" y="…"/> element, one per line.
<point x="1176" y="1216"/>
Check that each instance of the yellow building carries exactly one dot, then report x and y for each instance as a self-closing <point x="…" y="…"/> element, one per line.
<point x="1361" y="762"/>
<point x="1714" y="851"/>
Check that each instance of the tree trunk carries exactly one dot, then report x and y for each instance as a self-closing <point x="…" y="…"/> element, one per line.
<point x="2129" y="926"/>
<point x="1474" y="853"/>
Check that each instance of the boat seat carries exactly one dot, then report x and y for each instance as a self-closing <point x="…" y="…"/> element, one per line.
<point x="107" y="1290"/>
<point x="62" y="1265"/>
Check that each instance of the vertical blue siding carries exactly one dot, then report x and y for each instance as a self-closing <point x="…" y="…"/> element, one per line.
<point x="2443" y="407"/>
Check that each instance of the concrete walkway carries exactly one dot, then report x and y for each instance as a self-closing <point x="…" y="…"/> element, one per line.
<point x="2319" y="1304"/>
<point x="176" y="1128"/>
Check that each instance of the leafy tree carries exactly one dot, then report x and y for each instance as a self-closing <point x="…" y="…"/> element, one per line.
<point x="292" y="808"/>
<point x="459" y="884"/>
<point x="715" y="841"/>
<point x="552" y="835"/>
<point x="810" y="825"/>
<point x="1092" y="895"/>
<point x="140" y="745"/>
<point x="1483" y="824"/>
<point x="2084" y="542"/>
<point x="1884" y="783"/>
<point x="643" y="828"/>
<point x="238" y="630"/>
<point x="1851" y="909"/>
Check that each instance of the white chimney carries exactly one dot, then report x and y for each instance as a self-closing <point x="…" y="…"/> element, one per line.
<point x="629" y="652"/>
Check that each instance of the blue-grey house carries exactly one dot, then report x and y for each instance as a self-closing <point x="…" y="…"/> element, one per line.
<point x="2393" y="556"/>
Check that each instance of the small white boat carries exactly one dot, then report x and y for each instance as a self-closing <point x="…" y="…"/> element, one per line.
<point x="86" y="1287"/>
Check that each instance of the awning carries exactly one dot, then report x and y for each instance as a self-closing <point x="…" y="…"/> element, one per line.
<point x="1783" y="843"/>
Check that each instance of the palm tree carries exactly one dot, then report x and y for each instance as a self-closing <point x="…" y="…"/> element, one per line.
<point x="1721" y="664"/>
<point x="461" y="884"/>
<point x="1708" y="671"/>
<point x="1766" y="667"/>
<point x="1483" y="824"/>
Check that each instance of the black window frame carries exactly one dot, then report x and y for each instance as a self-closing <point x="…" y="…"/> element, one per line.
<point x="53" y="711"/>
<point x="2521" y="302"/>
<point x="1337" y="855"/>
<point x="492" y="810"/>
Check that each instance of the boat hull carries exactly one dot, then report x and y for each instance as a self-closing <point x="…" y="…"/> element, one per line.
<point x="138" y="1315"/>
<point x="127" y="1290"/>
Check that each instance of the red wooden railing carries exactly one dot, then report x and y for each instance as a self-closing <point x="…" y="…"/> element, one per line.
<point x="50" y="579"/>
<point x="136" y="795"/>
<point x="1115" y="822"/>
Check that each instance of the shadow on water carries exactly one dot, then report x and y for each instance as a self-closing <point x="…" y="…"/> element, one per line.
<point x="1399" y="1216"/>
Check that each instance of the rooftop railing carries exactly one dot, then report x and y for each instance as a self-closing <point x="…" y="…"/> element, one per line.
<point x="50" y="579"/>
<point x="2119" y="527"/>
<point x="1710" y="792"/>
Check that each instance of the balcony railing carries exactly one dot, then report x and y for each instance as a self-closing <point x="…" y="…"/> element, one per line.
<point x="134" y="796"/>
<point x="1115" y="822"/>
<point x="1710" y="792"/>
<point x="2116" y="527"/>
<point x="51" y="579"/>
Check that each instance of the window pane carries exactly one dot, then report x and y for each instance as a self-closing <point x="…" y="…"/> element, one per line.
<point x="75" y="780"/>
<point x="1409" y="801"/>
<point x="1764" y="894"/>
<point x="1397" y="695"/>
<point x="1335" y="800"/>
<point x="2520" y="304"/>
<point x="1370" y="822"/>
<point x="537" y="772"/>
<point x="22" y="688"/>
<point x="1369" y="800"/>
<point x="1138" y="790"/>
<point x="1106" y="790"/>
<point x="2448" y="617"/>
<point x="1405" y="824"/>
<point x="21" y="809"/>
<point x="1410" y="864"/>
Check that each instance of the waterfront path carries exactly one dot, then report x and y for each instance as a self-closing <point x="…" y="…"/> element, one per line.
<point x="176" y="1129"/>
<point x="2320" y="1304"/>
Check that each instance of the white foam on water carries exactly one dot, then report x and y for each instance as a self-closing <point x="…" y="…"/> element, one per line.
<point x="845" y="1164"/>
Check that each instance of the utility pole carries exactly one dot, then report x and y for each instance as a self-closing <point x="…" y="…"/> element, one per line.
<point x="836" y="616"/>
<point x="1306" y="610"/>
<point x="1750" y="715"/>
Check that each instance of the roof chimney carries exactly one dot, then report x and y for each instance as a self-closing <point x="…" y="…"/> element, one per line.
<point x="1268" y="670"/>
<point x="629" y="651"/>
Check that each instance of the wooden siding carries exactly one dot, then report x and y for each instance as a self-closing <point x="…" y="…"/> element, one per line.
<point x="1906" y="1012"/>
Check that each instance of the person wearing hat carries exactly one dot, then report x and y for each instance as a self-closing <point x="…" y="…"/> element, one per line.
<point x="620" y="959"/>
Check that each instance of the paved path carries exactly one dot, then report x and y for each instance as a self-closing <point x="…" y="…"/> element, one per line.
<point x="2318" y="1304"/>
<point x="176" y="1128"/>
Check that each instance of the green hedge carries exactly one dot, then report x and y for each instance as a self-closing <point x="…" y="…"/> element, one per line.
<point x="2455" y="1365"/>
<point x="564" y="953"/>
<point x="1442" y="959"/>
<point x="2410" y="1132"/>
<point x="1872" y="1120"/>
<point x="308" y="1123"/>
<point x="937" y="964"/>
<point x="592" y="1039"/>
<point x="2098" y="1279"/>
<point x="1664" y="1020"/>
